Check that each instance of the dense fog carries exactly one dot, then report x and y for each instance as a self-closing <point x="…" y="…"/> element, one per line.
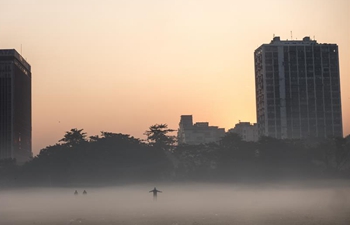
<point x="313" y="202"/>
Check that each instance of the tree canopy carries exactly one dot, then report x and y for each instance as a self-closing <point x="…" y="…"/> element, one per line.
<point x="116" y="158"/>
<point x="73" y="137"/>
<point x="158" y="136"/>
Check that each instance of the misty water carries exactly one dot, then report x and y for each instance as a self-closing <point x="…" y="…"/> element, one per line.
<point x="326" y="202"/>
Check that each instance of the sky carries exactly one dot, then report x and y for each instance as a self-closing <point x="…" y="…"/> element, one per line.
<point x="124" y="65"/>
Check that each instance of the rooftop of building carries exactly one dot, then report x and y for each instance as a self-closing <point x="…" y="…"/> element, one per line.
<point x="6" y="53"/>
<point x="306" y="41"/>
<point x="186" y="122"/>
<point x="243" y="125"/>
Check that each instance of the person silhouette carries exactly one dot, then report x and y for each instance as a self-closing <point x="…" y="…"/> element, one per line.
<point x="155" y="191"/>
<point x="84" y="192"/>
<point x="76" y="192"/>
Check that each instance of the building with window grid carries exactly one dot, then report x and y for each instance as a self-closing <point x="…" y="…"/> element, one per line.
<point x="298" y="89"/>
<point x="15" y="107"/>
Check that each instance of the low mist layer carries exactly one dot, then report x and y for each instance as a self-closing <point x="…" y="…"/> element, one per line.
<point x="311" y="203"/>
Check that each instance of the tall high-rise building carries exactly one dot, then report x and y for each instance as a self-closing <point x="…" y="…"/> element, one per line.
<point x="15" y="107"/>
<point x="298" y="89"/>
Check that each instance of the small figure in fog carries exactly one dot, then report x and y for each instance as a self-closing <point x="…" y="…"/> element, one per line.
<point x="155" y="191"/>
<point x="76" y="192"/>
<point x="84" y="192"/>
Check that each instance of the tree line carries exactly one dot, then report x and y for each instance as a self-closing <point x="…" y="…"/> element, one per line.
<point x="116" y="158"/>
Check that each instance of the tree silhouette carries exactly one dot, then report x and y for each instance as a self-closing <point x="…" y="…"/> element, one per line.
<point x="157" y="136"/>
<point x="231" y="141"/>
<point x="197" y="161"/>
<point x="116" y="158"/>
<point x="74" y="137"/>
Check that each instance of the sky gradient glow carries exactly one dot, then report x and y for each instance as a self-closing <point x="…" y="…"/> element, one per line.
<point x="121" y="66"/>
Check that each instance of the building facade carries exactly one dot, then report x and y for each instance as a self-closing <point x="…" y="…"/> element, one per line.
<point x="248" y="131"/>
<point x="198" y="133"/>
<point x="15" y="107"/>
<point x="298" y="89"/>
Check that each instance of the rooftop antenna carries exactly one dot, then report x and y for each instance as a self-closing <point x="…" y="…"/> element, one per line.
<point x="291" y="35"/>
<point x="273" y="35"/>
<point x="314" y="37"/>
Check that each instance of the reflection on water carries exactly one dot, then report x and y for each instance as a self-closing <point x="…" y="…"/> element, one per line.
<point x="191" y="204"/>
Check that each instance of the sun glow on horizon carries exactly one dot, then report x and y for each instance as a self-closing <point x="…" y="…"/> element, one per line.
<point x="122" y="66"/>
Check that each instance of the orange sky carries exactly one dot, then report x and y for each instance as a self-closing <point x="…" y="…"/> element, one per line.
<point x="122" y="66"/>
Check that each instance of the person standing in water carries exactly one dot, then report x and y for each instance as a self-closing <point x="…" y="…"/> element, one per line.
<point x="155" y="191"/>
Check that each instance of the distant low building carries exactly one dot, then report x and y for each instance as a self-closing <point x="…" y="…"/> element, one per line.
<point x="248" y="131"/>
<point x="198" y="133"/>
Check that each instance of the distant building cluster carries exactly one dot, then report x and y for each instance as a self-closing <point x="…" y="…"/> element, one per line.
<point x="246" y="130"/>
<point x="297" y="89"/>
<point x="198" y="133"/>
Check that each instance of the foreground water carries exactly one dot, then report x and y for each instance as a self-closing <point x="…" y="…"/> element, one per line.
<point x="180" y="204"/>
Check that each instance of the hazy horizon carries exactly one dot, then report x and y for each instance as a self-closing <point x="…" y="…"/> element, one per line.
<point x="122" y="66"/>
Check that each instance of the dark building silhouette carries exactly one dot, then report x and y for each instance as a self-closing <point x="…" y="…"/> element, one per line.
<point x="15" y="107"/>
<point x="298" y="89"/>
